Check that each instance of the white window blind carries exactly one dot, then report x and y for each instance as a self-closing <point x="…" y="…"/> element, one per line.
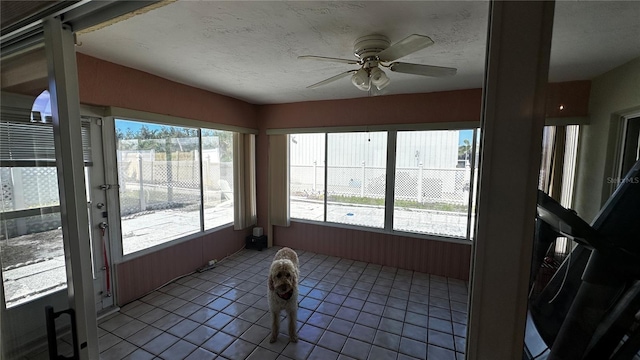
<point x="23" y="143"/>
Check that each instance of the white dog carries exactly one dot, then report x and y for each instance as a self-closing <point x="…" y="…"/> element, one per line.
<point x="283" y="291"/>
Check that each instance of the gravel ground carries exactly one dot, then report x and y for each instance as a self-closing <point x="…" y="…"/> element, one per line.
<point x="30" y="248"/>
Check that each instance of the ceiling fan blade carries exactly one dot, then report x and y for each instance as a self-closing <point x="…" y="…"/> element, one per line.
<point x="324" y="58"/>
<point x="404" y="47"/>
<point x="424" y="70"/>
<point x="331" y="79"/>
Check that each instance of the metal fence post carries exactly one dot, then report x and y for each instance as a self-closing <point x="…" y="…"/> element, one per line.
<point x="143" y="202"/>
<point x="122" y="183"/>
<point x="153" y="165"/>
<point x="194" y="161"/>
<point x="315" y="182"/>
<point x="362" y="182"/>
<point x="206" y="181"/>
<point x="169" y="161"/>
<point x="420" y="169"/>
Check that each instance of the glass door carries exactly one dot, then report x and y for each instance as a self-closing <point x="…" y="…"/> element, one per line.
<point x="32" y="254"/>
<point x="43" y="223"/>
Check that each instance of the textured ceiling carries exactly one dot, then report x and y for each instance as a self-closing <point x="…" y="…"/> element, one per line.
<point x="249" y="49"/>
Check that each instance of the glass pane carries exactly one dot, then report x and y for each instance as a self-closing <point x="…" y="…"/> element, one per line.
<point x="217" y="172"/>
<point x="630" y="144"/>
<point x="31" y="247"/>
<point x="306" y="176"/>
<point x="32" y="252"/>
<point x="548" y="139"/>
<point x="432" y="182"/>
<point x="356" y="178"/>
<point x="569" y="165"/>
<point x="474" y="186"/>
<point x="159" y="181"/>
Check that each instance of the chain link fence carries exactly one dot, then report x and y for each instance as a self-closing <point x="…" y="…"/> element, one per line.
<point x="148" y="184"/>
<point x="307" y="181"/>
<point x="426" y="200"/>
<point x="417" y="184"/>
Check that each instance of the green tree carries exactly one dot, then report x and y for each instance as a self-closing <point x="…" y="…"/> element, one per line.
<point x="464" y="150"/>
<point x="226" y="146"/>
<point x="180" y="140"/>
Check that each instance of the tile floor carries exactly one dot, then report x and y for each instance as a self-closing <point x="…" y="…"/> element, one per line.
<point x="347" y="310"/>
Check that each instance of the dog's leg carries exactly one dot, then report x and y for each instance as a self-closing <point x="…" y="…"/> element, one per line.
<point x="293" y="319"/>
<point x="275" y="326"/>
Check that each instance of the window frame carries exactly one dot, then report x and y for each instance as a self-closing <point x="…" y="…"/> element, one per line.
<point x="111" y="177"/>
<point x="392" y="131"/>
<point x="192" y="228"/>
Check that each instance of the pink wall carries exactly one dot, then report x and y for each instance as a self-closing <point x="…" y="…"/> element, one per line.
<point x="429" y="256"/>
<point x="447" y="106"/>
<point x="107" y="84"/>
<point x="572" y="95"/>
<point x="437" y="107"/>
<point x="144" y="274"/>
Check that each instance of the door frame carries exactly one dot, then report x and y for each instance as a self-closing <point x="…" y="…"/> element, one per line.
<point x="99" y="205"/>
<point x="623" y="123"/>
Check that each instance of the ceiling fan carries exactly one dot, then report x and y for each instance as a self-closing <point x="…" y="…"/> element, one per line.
<point x="373" y="51"/>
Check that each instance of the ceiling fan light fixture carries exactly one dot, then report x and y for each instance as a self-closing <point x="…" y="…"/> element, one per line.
<point x="379" y="78"/>
<point x="361" y="79"/>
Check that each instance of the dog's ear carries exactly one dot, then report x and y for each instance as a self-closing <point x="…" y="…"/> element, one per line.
<point x="294" y="275"/>
<point x="271" y="287"/>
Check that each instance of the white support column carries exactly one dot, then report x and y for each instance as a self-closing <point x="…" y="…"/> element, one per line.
<point x="63" y="85"/>
<point x="518" y="49"/>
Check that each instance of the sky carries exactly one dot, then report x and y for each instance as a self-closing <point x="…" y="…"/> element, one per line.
<point x="465" y="135"/>
<point x="123" y="125"/>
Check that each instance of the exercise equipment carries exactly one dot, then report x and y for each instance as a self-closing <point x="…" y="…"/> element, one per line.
<point x="590" y="309"/>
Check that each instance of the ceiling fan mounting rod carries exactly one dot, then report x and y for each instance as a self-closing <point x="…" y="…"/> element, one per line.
<point x="369" y="46"/>
<point x="370" y="62"/>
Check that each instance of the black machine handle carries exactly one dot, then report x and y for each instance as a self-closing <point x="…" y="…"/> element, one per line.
<point x="52" y="339"/>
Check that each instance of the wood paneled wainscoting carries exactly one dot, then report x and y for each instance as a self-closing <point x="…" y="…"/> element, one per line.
<point x="141" y="275"/>
<point x="435" y="257"/>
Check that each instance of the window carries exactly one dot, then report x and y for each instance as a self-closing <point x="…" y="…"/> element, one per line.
<point x="557" y="171"/>
<point x="164" y="195"/>
<point x="31" y="246"/>
<point x="307" y="175"/>
<point x="217" y="177"/>
<point x="433" y="174"/>
<point x="630" y="144"/>
<point x="557" y="167"/>
<point x="356" y="178"/>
